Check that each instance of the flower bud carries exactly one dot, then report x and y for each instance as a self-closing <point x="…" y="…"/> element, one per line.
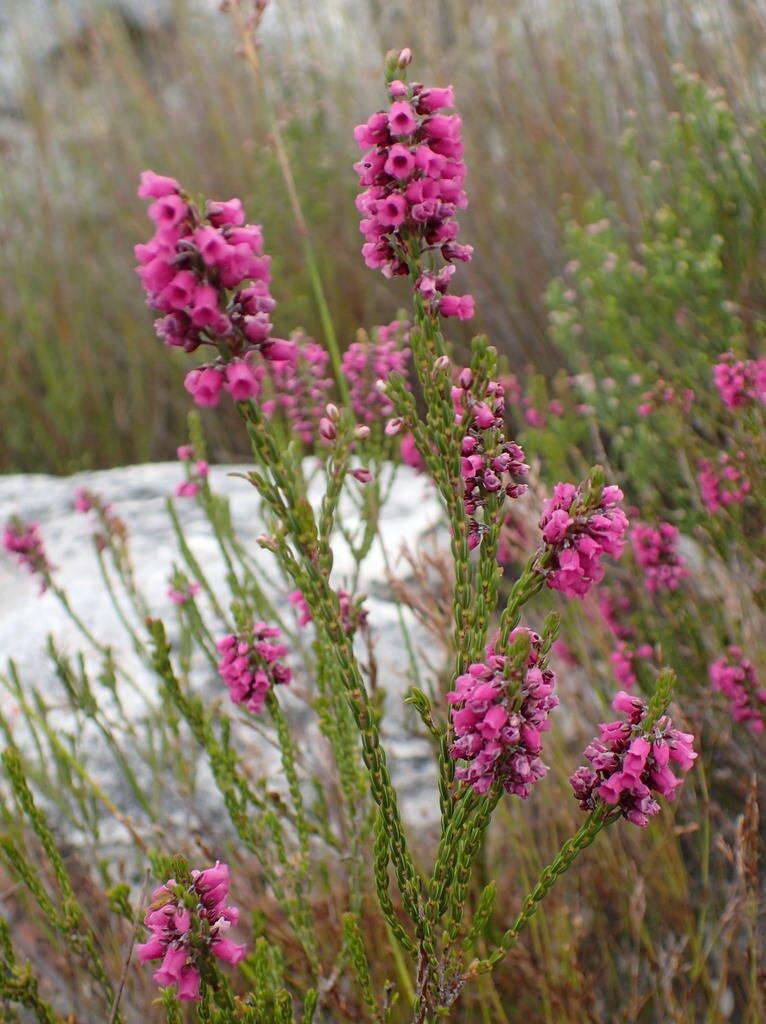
<point x="332" y="412"/>
<point x="393" y="426"/>
<point x="441" y="364"/>
<point x="362" y="475"/>
<point x="327" y="429"/>
<point x="362" y="432"/>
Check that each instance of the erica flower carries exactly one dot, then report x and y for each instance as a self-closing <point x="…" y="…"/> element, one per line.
<point x="207" y="273"/>
<point x="252" y="663"/>
<point x="489" y="463"/>
<point x="630" y="764"/>
<point x="353" y="615"/>
<point x="188" y="924"/>
<point x="663" y="394"/>
<point x="412" y="175"/>
<point x="579" y="528"/>
<point x="365" y="362"/>
<point x="723" y="482"/>
<point x="113" y="529"/>
<point x="655" y="549"/>
<point x="624" y="660"/>
<point x="196" y="473"/>
<point x="499" y="707"/>
<point x="740" y="382"/>
<point x="24" y="541"/>
<point x="733" y="675"/>
<point x="301" y="386"/>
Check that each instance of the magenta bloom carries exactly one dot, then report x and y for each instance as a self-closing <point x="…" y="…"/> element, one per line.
<point x="207" y="273"/>
<point x="723" y="482"/>
<point x="412" y="175"/>
<point x="251" y="664"/>
<point x="489" y="464"/>
<point x="578" y="536"/>
<point x="733" y="675"/>
<point x="184" y="934"/>
<point x="24" y="541"/>
<point x="625" y="659"/>
<point x="352" y="615"/>
<point x="183" y="594"/>
<point x="366" y="362"/>
<point x="628" y="766"/>
<point x="301" y="387"/>
<point x="656" y="551"/>
<point x="498" y="710"/>
<point x="740" y="382"/>
<point x="196" y="473"/>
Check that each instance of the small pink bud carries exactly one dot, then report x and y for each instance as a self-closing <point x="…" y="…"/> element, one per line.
<point x="362" y="432"/>
<point x="327" y="429"/>
<point x="332" y="412"/>
<point x="393" y="426"/>
<point x="362" y="475"/>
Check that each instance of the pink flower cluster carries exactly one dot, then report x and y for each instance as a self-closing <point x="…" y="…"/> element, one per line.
<point x="195" y="474"/>
<point x="412" y="175"/>
<point x="410" y="454"/>
<point x="113" y="529"/>
<point x="498" y="710"/>
<point x="656" y="551"/>
<point x="353" y="615"/>
<point x="733" y="675"/>
<point x="24" y="541"/>
<point x="251" y="665"/>
<point x="740" y="382"/>
<point x="578" y="534"/>
<point x="488" y="465"/>
<point x="207" y="273"/>
<point x="723" y="483"/>
<point x="187" y="926"/>
<point x="629" y="764"/>
<point x="365" y="362"/>
<point x="301" y="386"/>
<point x="663" y="394"/>
<point x="625" y="659"/>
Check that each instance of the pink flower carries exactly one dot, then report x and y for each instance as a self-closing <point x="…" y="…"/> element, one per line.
<point x="401" y="118"/>
<point x="353" y="615"/>
<point x="24" y="541"/>
<point x="208" y="274"/>
<point x="628" y="766"/>
<point x="578" y="533"/>
<point x="655" y="550"/>
<point x="489" y="463"/>
<point x="204" y="385"/>
<point x="251" y="664"/>
<point x="410" y="454"/>
<point x="367" y="361"/>
<point x="740" y="382"/>
<point x="723" y="482"/>
<point x="461" y="306"/>
<point x="182" y="939"/>
<point x="412" y="175"/>
<point x="498" y="709"/>
<point x="733" y="675"/>
<point x="156" y="186"/>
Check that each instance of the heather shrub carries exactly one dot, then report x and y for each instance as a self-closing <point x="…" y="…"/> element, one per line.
<point x="292" y="887"/>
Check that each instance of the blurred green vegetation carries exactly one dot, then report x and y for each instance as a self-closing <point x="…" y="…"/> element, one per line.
<point x="545" y="91"/>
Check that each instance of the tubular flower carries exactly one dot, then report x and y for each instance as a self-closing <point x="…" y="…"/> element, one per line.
<point x="412" y="175"/>
<point x="488" y="464"/>
<point x="630" y="764"/>
<point x="499" y="707"/>
<point x="579" y="531"/>
<point x="187" y="925"/>
<point x="196" y="473"/>
<point x="723" y="483"/>
<point x="655" y="549"/>
<point x="740" y="382"/>
<point x="251" y="664"/>
<point x="733" y="675"/>
<point x="365" y="362"/>
<point x="206" y="272"/>
<point x="353" y="615"/>
<point x="301" y="386"/>
<point x="24" y="541"/>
